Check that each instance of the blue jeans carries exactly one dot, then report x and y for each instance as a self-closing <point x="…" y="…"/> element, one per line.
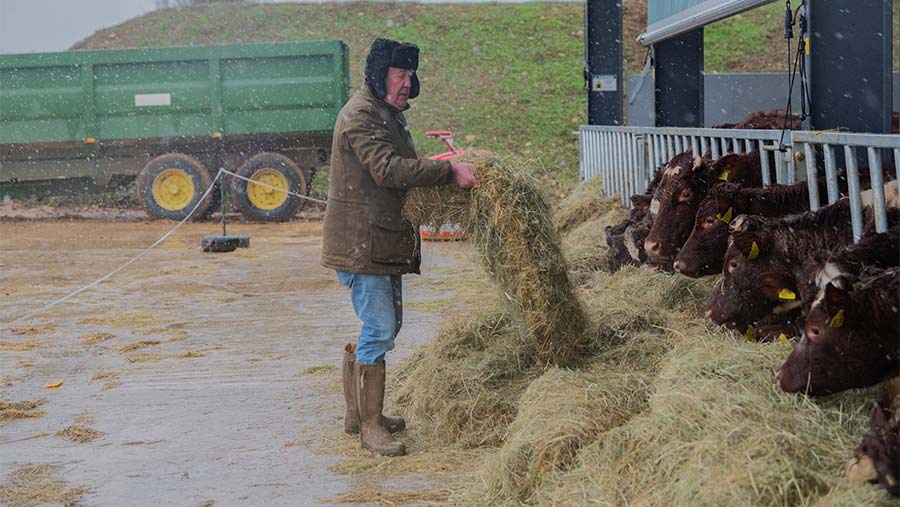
<point x="378" y="302"/>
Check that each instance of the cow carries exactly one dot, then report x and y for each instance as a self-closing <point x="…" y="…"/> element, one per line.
<point x="626" y="240"/>
<point x="763" y="255"/>
<point x="850" y="338"/>
<point x="880" y="250"/>
<point x="704" y="249"/>
<point x="685" y="182"/>
<point x="770" y="120"/>
<point x="877" y="457"/>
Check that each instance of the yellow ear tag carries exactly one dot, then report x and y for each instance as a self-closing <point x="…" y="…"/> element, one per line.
<point x="754" y="251"/>
<point x="724" y="175"/>
<point x="787" y="295"/>
<point x="727" y="216"/>
<point x="837" y="320"/>
<point x="783" y="339"/>
<point x="750" y="334"/>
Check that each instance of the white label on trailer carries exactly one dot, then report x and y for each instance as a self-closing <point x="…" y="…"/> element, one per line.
<point x="153" y="99"/>
<point x="603" y="82"/>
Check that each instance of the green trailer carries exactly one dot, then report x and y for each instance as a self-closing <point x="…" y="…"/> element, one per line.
<point x="171" y="117"/>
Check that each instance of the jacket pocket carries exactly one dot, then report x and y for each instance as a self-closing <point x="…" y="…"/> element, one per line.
<point x="392" y="242"/>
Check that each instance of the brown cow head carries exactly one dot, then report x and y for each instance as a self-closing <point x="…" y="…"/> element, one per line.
<point x="754" y="284"/>
<point x="704" y="249"/>
<point x="681" y="188"/>
<point x="840" y="349"/>
<point x="625" y="240"/>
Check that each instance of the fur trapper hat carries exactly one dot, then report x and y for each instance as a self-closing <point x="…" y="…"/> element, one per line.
<point x="386" y="53"/>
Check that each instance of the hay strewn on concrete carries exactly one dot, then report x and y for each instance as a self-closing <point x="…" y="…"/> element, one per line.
<point x="80" y="434"/>
<point x="33" y="485"/>
<point x="510" y="224"/>
<point x="21" y="410"/>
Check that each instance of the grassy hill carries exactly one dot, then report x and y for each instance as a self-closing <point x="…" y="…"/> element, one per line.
<point x="503" y="77"/>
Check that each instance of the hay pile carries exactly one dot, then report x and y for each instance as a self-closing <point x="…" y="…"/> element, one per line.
<point x="80" y="434"/>
<point x="510" y="223"/>
<point x="661" y="409"/>
<point x="586" y="203"/>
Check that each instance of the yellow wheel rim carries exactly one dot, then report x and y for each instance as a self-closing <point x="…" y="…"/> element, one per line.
<point x="173" y="189"/>
<point x="271" y="196"/>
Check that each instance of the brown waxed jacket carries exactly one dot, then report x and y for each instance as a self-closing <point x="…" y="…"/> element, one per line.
<point x="373" y="164"/>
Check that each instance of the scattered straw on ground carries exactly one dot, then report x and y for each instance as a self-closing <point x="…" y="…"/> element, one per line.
<point x="144" y="358"/>
<point x="20" y="346"/>
<point x="21" y="409"/>
<point x="33" y="485"/>
<point x="103" y="375"/>
<point x="80" y="434"/>
<point x="131" y="347"/>
<point x="510" y="224"/>
<point x="29" y="330"/>
<point x="391" y="498"/>
<point x="324" y="369"/>
<point x="6" y="381"/>
<point x="91" y="339"/>
<point x="24" y="363"/>
<point x="126" y="320"/>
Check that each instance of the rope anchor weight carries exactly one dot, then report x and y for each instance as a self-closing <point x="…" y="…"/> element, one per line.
<point x="218" y="243"/>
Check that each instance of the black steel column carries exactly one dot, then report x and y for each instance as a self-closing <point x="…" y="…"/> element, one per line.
<point x="850" y="65"/>
<point x="678" y="66"/>
<point x="603" y="61"/>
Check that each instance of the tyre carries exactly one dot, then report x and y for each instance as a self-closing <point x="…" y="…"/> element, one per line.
<point x="171" y="185"/>
<point x="269" y="201"/>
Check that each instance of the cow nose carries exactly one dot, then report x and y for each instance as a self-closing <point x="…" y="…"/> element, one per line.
<point x="709" y="314"/>
<point x="680" y="265"/>
<point x="651" y="246"/>
<point x="778" y="376"/>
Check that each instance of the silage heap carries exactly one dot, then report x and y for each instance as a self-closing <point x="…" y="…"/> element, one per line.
<point x="660" y="410"/>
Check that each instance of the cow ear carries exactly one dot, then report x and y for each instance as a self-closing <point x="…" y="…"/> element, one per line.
<point x="877" y="420"/>
<point x="836" y="299"/>
<point x="641" y="202"/>
<point x="778" y="287"/>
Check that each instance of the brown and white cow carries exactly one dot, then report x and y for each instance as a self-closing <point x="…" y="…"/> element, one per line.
<point x="772" y="120"/>
<point x="851" y="338"/>
<point x="704" y="249"/>
<point x="626" y="240"/>
<point x="764" y="257"/>
<point x="880" y="250"/>
<point x="685" y="182"/>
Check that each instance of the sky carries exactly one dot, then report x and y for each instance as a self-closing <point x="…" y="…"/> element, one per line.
<point x="28" y="26"/>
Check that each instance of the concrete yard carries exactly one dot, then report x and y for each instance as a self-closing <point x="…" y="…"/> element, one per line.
<point x="214" y="378"/>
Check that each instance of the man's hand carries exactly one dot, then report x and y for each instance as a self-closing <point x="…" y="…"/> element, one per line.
<point x="464" y="174"/>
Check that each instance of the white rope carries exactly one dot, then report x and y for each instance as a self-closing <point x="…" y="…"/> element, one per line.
<point x="238" y="176"/>
<point x="123" y="266"/>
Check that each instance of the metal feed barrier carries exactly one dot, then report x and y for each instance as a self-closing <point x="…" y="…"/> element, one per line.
<point x="837" y="145"/>
<point x="626" y="157"/>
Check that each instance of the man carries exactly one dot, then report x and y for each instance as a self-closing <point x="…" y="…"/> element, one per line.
<point x="366" y="240"/>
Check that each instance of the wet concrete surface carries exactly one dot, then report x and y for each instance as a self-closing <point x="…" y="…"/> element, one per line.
<point x="223" y="408"/>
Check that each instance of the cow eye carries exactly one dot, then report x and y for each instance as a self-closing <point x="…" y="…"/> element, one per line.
<point x="685" y="195"/>
<point x="710" y="221"/>
<point x="815" y="331"/>
<point x="732" y="265"/>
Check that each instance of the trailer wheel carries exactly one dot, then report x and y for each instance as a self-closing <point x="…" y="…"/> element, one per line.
<point x="270" y="200"/>
<point x="171" y="185"/>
